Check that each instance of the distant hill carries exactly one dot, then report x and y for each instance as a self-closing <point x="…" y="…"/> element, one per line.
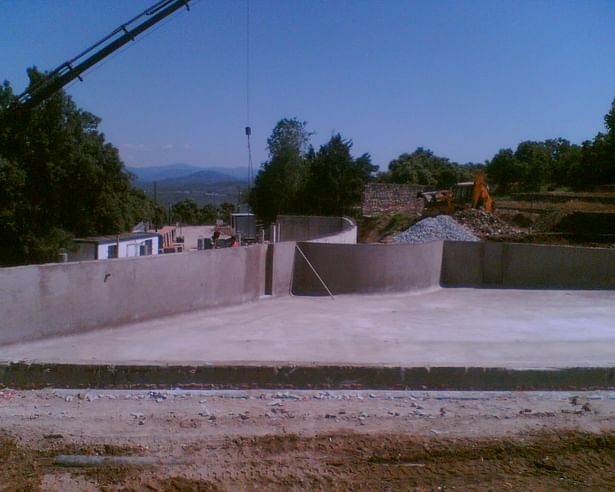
<point x="177" y="182"/>
<point x="157" y="173"/>
<point x="171" y="171"/>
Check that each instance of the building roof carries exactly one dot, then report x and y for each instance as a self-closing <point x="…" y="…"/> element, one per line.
<point x="113" y="238"/>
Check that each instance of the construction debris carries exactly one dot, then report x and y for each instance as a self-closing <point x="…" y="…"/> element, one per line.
<point x="484" y="224"/>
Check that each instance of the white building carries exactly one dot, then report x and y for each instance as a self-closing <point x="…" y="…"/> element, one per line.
<point x="115" y="246"/>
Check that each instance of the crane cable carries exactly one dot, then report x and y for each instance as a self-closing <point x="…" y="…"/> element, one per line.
<point x="248" y="128"/>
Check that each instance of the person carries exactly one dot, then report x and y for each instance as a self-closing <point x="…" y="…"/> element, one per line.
<point x="214" y="238"/>
<point x="233" y="242"/>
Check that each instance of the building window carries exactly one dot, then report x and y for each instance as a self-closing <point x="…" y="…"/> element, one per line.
<point x="112" y="251"/>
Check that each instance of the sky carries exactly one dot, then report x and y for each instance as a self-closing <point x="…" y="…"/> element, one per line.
<point x="462" y="78"/>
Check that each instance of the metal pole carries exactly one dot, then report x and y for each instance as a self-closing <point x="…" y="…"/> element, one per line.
<point x="315" y="272"/>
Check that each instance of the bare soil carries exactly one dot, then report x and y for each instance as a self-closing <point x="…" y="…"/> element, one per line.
<point x="309" y="440"/>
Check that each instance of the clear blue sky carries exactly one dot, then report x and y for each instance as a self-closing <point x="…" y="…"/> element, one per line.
<point x="463" y="78"/>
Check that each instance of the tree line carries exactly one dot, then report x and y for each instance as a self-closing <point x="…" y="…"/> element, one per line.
<point x="557" y="163"/>
<point x="298" y="179"/>
<point x="60" y="178"/>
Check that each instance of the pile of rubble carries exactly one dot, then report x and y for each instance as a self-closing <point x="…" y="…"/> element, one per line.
<point x="442" y="227"/>
<point x="484" y="224"/>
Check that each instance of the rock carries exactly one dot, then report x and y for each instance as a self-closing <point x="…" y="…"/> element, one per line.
<point x="442" y="227"/>
<point x="155" y="395"/>
<point x="484" y="224"/>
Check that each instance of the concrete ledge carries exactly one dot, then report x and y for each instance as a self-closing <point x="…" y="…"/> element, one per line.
<point x="37" y="375"/>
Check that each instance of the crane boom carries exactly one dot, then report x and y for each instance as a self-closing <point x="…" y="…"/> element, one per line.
<point x="72" y="69"/>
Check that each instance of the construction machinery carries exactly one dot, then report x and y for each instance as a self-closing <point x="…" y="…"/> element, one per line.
<point x="469" y="194"/>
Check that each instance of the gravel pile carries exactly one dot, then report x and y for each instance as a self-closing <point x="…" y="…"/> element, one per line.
<point x="442" y="227"/>
<point x="484" y="224"/>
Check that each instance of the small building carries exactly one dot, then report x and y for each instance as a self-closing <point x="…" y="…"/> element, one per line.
<point x="124" y="245"/>
<point x="244" y="225"/>
<point x="169" y="238"/>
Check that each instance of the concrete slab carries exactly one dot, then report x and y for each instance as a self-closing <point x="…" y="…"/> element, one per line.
<point x="510" y="329"/>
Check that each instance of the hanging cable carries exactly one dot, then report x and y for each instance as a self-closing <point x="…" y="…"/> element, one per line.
<point x="248" y="128"/>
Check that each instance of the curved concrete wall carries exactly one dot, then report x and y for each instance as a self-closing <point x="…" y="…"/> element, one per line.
<point x="367" y="268"/>
<point x="314" y="228"/>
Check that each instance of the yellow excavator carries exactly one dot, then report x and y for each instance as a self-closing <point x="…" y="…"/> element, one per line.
<point x="469" y="194"/>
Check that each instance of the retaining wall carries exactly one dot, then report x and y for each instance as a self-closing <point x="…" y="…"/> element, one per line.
<point x="55" y="299"/>
<point x="526" y="266"/>
<point x="379" y="198"/>
<point x="367" y="268"/>
<point x="48" y="300"/>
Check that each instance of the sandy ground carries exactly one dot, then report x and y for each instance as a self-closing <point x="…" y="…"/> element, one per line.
<point x="306" y="440"/>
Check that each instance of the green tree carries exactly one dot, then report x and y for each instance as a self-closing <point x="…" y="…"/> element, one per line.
<point x="66" y="179"/>
<point x="225" y="210"/>
<point x="186" y="212"/>
<point x="564" y="158"/>
<point x="208" y="214"/>
<point x="505" y="171"/>
<point x="336" y="179"/>
<point x="279" y="181"/>
<point x="425" y="168"/>
<point x="535" y="160"/>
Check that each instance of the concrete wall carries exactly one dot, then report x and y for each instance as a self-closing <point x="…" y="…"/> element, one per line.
<point x="527" y="266"/>
<point x="45" y="300"/>
<point x="367" y="268"/>
<point x="280" y="264"/>
<point x="304" y="228"/>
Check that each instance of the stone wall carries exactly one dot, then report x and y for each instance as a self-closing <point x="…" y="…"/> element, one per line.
<point x="379" y="198"/>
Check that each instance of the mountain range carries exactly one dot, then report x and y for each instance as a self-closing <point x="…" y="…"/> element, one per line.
<point x="172" y="171"/>
<point x="176" y="182"/>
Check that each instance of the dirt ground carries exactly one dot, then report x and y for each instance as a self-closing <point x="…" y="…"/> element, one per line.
<point x="307" y="440"/>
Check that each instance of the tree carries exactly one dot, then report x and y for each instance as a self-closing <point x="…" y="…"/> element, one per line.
<point x="336" y="179"/>
<point x="505" y="171"/>
<point x="186" y="211"/>
<point x="535" y="160"/>
<point x="208" y="214"/>
<point x="425" y="168"/>
<point x="64" y="177"/>
<point x="225" y="211"/>
<point x="279" y="181"/>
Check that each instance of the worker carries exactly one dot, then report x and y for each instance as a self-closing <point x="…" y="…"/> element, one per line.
<point x="214" y="237"/>
<point x="233" y="242"/>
